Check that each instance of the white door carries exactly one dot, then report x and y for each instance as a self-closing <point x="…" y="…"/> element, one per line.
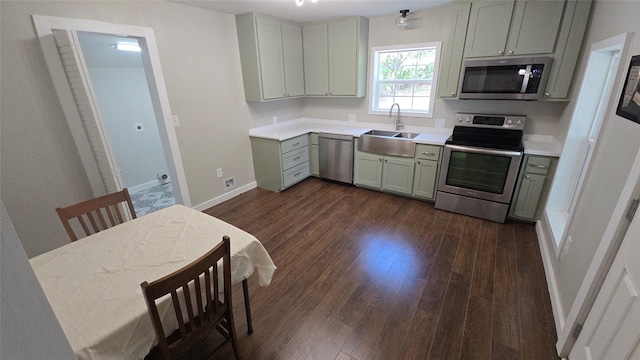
<point x="612" y="327"/>
<point x="78" y="77"/>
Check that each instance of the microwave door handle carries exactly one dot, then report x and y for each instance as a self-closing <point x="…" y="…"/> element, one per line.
<point x="525" y="81"/>
<point x="484" y="151"/>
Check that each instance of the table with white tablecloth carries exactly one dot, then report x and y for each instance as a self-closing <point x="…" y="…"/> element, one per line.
<point x="93" y="284"/>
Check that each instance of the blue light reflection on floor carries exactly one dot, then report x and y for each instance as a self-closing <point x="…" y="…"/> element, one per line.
<point x="388" y="260"/>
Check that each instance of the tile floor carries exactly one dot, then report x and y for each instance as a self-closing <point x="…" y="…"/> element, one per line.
<point x="152" y="199"/>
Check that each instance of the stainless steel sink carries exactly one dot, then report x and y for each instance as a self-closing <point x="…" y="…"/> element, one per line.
<point x="407" y="135"/>
<point x="388" y="142"/>
<point x="389" y="133"/>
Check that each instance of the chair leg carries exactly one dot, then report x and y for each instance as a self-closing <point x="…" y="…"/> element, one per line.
<point x="232" y="334"/>
<point x="247" y="305"/>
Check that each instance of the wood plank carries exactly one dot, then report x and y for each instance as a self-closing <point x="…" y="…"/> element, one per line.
<point x="367" y="275"/>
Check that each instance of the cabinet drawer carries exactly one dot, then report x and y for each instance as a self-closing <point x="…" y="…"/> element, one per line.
<point x="294" y="143"/>
<point x="428" y="152"/>
<point x="296" y="157"/>
<point x="296" y="174"/>
<point x="537" y="165"/>
<point x="313" y="138"/>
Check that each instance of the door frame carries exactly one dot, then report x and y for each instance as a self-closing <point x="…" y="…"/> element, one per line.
<point x="45" y="25"/>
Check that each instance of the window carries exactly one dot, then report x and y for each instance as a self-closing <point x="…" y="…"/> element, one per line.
<point x="404" y="74"/>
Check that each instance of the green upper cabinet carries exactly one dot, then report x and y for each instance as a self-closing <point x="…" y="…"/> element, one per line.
<point x="499" y="28"/>
<point x="574" y="24"/>
<point x="316" y="60"/>
<point x="534" y="28"/>
<point x="488" y="28"/>
<point x="292" y="60"/>
<point x="453" y="50"/>
<point x="271" y="61"/>
<point x="271" y="57"/>
<point x="335" y="57"/>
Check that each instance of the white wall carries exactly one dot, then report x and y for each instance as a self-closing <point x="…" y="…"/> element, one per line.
<point x="611" y="164"/>
<point x="29" y="328"/>
<point x="124" y="100"/>
<point x="542" y="117"/>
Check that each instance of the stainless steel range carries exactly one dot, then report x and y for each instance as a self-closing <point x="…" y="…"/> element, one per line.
<point x="480" y="165"/>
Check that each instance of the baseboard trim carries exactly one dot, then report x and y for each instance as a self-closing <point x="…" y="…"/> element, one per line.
<point x="145" y="186"/>
<point x="547" y="259"/>
<point x="226" y="196"/>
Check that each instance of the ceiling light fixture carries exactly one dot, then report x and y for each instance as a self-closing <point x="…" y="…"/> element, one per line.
<point x="128" y="47"/>
<point x="406" y="20"/>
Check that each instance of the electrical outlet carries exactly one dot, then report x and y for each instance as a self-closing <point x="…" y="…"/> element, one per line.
<point x="139" y="127"/>
<point x="275" y="119"/>
<point x="439" y="123"/>
<point x="176" y="120"/>
<point x="219" y="172"/>
<point x="352" y="117"/>
<point x="229" y="183"/>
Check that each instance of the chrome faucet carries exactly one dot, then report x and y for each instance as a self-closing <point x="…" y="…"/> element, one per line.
<point x="399" y="124"/>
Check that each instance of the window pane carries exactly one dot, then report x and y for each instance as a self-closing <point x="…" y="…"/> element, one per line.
<point x="385" y="103"/>
<point x="421" y="103"/>
<point x="404" y="77"/>
<point x="404" y="89"/>
<point x="422" y="89"/>
<point x="385" y="89"/>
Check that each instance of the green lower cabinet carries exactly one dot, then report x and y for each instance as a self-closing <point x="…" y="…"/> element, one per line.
<point x="424" y="181"/>
<point x="314" y="160"/>
<point x="528" y="196"/>
<point x="397" y="175"/>
<point x="367" y="170"/>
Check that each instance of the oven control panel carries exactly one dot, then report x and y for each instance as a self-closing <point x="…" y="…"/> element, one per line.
<point x="515" y="122"/>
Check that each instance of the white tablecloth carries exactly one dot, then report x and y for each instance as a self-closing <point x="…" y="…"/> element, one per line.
<point x="93" y="284"/>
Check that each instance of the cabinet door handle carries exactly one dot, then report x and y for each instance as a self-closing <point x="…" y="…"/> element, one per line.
<point x="296" y="158"/>
<point x="500" y="52"/>
<point x="296" y="144"/>
<point x="296" y="174"/>
<point x="418" y="162"/>
<point x="538" y="166"/>
<point x="380" y="159"/>
<point x="453" y="94"/>
<point x="428" y="153"/>
<point x="527" y="177"/>
<point x="510" y="52"/>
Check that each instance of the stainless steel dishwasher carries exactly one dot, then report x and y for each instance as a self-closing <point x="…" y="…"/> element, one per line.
<point x="336" y="157"/>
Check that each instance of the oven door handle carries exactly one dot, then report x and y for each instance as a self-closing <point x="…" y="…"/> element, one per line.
<point x="484" y="151"/>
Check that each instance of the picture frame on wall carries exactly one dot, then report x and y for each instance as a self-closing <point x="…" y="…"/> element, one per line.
<point x="629" y="104"/>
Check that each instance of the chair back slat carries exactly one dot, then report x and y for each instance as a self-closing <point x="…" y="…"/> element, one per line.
<point x="187" y="284"/>
<point x="96" y="214"/>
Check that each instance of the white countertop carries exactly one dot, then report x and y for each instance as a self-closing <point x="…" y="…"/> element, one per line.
<point x="545" y="145"/>
<point x="293" y="128"/>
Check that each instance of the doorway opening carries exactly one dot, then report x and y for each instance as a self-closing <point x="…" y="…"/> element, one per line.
<point x="120" y="85"/>
<point x="89" y="131"/>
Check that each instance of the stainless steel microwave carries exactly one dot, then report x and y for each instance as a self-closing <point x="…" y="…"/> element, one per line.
<point x="505" y="78"/>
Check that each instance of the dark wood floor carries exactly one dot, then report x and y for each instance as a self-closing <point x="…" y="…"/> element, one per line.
<point x="366" y="275"/>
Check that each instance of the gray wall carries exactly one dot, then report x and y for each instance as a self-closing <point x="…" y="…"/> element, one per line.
<point x="29" y="329"/>
<point x="612" y="163"/>
<point x="124" y="100"/>
<point x="198" y="49"/>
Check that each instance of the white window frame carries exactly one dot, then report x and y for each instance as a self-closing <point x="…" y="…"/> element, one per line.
<point x="373" y="98"/>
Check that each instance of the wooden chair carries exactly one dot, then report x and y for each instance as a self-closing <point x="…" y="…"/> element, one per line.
<point x="192" y="339"/>
<point x="96" y="214"/>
